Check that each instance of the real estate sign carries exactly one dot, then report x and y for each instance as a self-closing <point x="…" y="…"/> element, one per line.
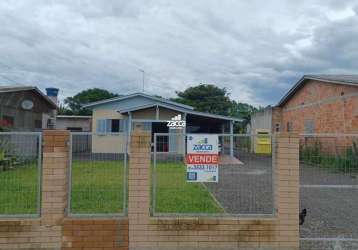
<point x="202" y="158"/>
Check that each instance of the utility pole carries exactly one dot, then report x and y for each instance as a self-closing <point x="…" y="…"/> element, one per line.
<point x="141" y="70"/>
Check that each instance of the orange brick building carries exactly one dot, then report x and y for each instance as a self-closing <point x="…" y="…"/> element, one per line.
<point x="319" y="104"/>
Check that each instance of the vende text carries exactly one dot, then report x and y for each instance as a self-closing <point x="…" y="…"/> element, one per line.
<point x="202" y="159"/>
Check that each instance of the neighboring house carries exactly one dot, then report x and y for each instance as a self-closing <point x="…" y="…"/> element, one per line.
<point x="260" y="121"/>
<point x="315" y="104"/>
<point x="320" y="104"/>
<point x="115" y="116"/>
<point x="74" y="123"/>
<point x="26" y="108"/>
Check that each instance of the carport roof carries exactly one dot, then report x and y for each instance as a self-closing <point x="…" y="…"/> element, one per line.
<point x="187" y="111"/>
<point x="336" y="79"/>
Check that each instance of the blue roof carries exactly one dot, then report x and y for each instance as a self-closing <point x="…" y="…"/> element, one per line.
<point x="153" y="98"/>
<point x="138" y="101"/>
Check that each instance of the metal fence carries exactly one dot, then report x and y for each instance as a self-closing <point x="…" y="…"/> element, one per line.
<point x="20" y="174"/>
<point x="329" y="191"/>
<point x="98" y="174"/>
<point x="245" y="185"/>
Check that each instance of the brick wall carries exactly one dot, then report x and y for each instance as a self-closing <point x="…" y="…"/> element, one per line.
<point x="45" y="232"/>
<point x="54" y="230"/>
<point x="333" y="108"/>
<point x="280" y="232"/>
<point x="95" y="233"/>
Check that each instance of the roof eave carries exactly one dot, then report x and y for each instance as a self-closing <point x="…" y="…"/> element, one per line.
<point x="300" y="83"/>
<point x="36" y="90"/>
<point x="89" y="105"/>
<point x="191" y="112"/>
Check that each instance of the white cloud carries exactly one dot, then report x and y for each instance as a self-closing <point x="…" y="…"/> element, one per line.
<point x="255" y="49"/>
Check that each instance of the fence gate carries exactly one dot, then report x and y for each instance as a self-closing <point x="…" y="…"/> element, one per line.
<point x="20" y="174"/>
<point x="98" y="174"/>
<point x="240" y="184"/>
<point x="329" y="191"/>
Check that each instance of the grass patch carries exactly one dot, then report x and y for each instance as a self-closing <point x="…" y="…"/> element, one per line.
<point x="176" y="195"/>
<point x="97" y="187"/>
<point x="18" y="190"/>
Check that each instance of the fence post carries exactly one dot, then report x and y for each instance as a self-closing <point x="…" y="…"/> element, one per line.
<point x="54" y="176"/>
<point x="286" y="163"/>
<point x="138" y="184"/>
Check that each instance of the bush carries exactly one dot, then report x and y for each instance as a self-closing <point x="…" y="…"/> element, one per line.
<point x="346" y="161"/>
<point x="7" y="157"/>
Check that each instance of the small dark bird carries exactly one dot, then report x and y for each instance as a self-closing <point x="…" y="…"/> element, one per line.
<point x="303" y="214"/>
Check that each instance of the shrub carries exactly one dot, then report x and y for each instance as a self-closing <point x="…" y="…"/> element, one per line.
<point x="346" y="161"/>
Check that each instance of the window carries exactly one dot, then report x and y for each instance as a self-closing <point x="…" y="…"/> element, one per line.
<point x="309" y="126"/>
<point x="289" y="127"/>
<point x="101" y="126"/>
<point x="7" y="121"/>
<point x="105" y="126"/>
<point x="115" y="125"/>
<point x="277" y="127"/>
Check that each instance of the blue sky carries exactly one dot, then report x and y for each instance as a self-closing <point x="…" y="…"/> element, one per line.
<point x="256" y="49"/>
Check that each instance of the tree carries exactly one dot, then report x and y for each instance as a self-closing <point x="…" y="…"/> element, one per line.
<point x="76" y="102"/>
<point x="212" y="99"/>
<point x="206" y="98"/>
<point x="244" y="111"/>
<point x="63" y="110"/>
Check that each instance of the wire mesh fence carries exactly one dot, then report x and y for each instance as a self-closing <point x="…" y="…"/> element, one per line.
<point x="329" y="191"/>
<point x="98" y="174"/>
<point x="20" y="174"/>
<point x="244" y="185"/>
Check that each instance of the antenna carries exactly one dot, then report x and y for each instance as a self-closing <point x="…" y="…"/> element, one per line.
<point x="143" y="72"/>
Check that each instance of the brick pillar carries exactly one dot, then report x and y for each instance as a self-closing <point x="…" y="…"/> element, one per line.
<point x="138" y="185"/>
<point x="54" y="176"/>
<point x="287" y="188"/>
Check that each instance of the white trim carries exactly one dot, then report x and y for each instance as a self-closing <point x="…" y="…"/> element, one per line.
<point x="157" y="112"/>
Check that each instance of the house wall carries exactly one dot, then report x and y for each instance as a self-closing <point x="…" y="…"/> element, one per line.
<point x="150" y="114"/>
<point x="167" y="114"/>
<point x="324" y="107"/>
<point x="261" y="120"/>
<point x="24" y="120"/>
<point x="109" y="143"/>
<point x="64" y="123"/>
<point x="147" y="114"/>
<point x="115" y="143"/>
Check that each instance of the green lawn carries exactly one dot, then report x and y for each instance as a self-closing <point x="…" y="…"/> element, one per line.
<point x="18" y="190"/>
<point x="175" y="195"/>
<point x="97" y="187"/>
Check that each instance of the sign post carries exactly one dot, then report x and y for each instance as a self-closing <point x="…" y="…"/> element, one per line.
<point x="202" y="158"/>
